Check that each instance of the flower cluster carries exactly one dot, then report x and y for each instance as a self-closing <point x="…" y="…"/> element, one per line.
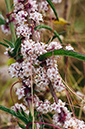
<point x="27" y="15"/>
<point x="62" y="117"/>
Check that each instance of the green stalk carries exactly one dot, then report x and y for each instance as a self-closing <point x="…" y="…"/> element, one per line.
<point x="7" y="2"/>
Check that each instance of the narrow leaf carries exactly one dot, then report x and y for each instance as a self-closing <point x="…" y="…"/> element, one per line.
<point x="10" y="111"/>
<point x="53" y="8"/>
<point x="2" y="22"/>
<point x="10" y="43"/>
<point x="49" y="28"/>
<point x="22" y="111"/>
<point x="64" y="53"/>
<point x="17" y="42"/>
<point x="22" y="126"/>
<point x="17" y="45"/>
<point x="17" y="48"/>
<point x="19" y="113"/>
<point x="4" y="44"/>
<point x="11" y="54"/>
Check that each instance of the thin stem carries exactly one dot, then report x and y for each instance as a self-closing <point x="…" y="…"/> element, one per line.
<point x="80" y="112"/>
<point x="53" y="92"/>
<point x="72" y="90"/>
<point x="11" y="90"/>
<point x="70" y="101"/>
<point x="44" y="124"/>
<point x="11" y="23"/>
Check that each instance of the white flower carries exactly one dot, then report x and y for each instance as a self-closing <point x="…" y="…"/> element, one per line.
<point x="54" y="45"/>
<point x="36" y="17"/>
<point x="43" y="6"/>
<point x="18" y="6"/>
<point x="44" y="107"/>
<point x="23" y="30"/>
<point x="32" y="6"/>
<point x="20" y="92"/>
<point x="74" y="123"/>
<point x="5" y="29"/>
<point x="69" y="47"/>
<point x="14" y="69"/>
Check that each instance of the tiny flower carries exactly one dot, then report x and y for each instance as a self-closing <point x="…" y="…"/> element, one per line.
<point x="36" y="17"/>
<point x="69" y="47"/>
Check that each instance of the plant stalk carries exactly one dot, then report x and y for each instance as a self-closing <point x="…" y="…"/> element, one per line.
<point x="7" y="2"/>
<point x="53" y="92"/>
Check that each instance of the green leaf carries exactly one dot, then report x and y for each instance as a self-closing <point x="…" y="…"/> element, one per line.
<point x="10" y="111"/>
<point x="53" y="8"/>
<point x="22" y="126"/>
<point x="17" y="48"/>
<point x="15" y="53"/>
<point x="17" y="42"/>
<point x="49" y="28"/>
<point x="64" y="53"/>
<point x="2" y="22"/>
<point x="19" y="113"/>
<point x="11" y="54"/>
<point x="22" y="111"/>
<point x="17" y="45"/>
<point x="10" y="43"/>
<point x="4" y="44"/>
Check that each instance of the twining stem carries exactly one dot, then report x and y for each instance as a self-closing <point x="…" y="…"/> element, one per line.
<point x="7" y="2"/>
<point x="46" y="124"/>
<point x="53" y="92"/>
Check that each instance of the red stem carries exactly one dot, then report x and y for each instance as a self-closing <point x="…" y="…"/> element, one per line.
<point x="11" y="90"/>
<point x="44" y="124"/>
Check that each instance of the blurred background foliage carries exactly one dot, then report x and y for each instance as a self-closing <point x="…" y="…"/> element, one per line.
<point x="71" y="70"/>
